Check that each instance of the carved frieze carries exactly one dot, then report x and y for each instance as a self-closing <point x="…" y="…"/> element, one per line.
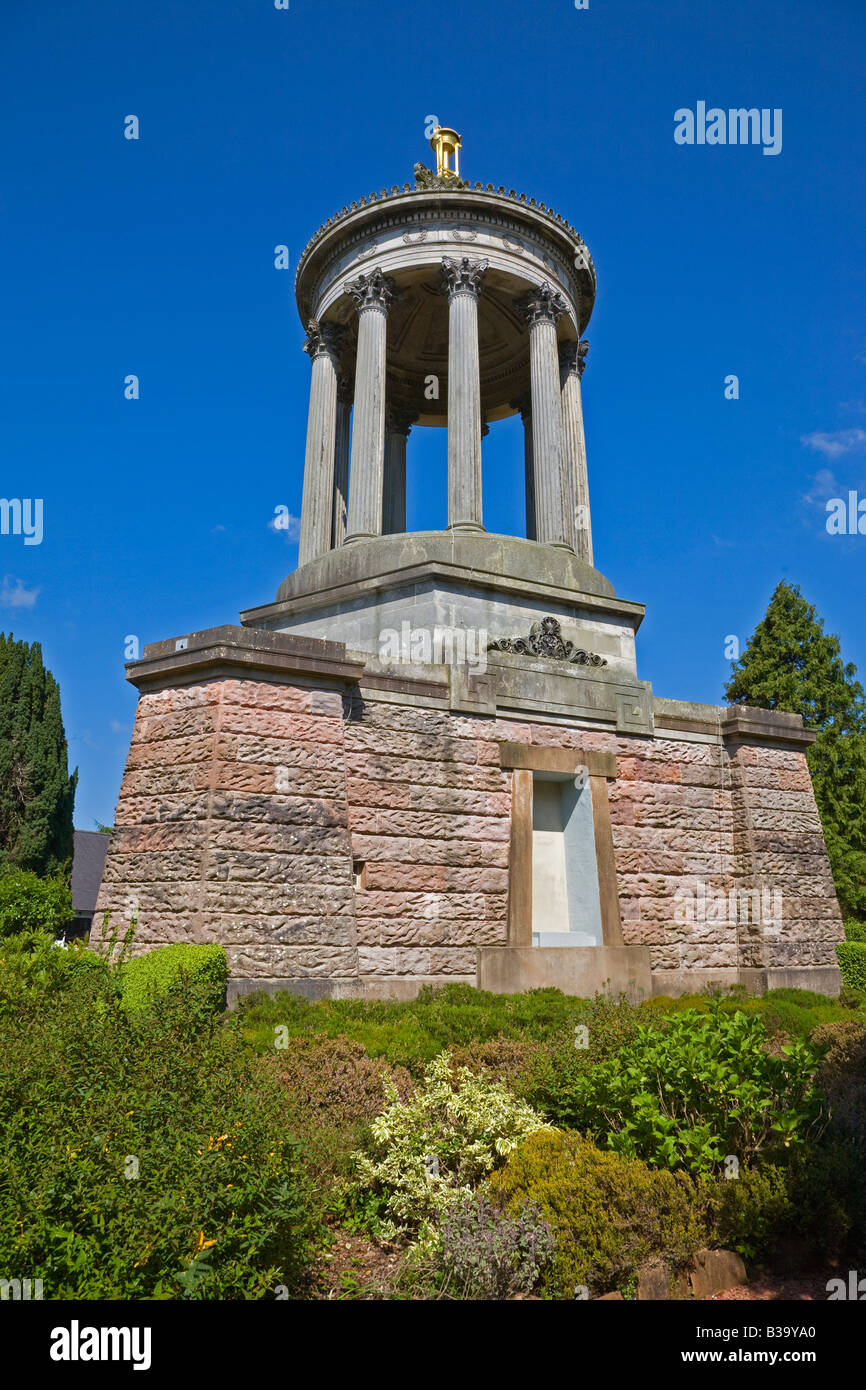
<point x="546" y="640"/>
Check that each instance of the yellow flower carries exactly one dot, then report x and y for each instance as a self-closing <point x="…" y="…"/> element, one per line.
<point x="202" y="1244"/>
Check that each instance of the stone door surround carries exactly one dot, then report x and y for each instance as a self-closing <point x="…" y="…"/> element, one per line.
<point x="524" y="760"/>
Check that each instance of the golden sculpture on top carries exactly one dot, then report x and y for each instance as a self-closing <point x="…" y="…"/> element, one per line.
<point x="445" y="143"/>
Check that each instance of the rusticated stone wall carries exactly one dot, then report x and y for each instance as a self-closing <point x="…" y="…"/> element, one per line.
<point x="350" y="844"/>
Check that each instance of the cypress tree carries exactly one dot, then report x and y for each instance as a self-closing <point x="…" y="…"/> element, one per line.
<point x="36" y="790"/>
<point x="791" y="664"/>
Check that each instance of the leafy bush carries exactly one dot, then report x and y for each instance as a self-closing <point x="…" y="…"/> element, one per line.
<point x="608" y="1214"/>
<point x="30" y="903"/>
<point x="142" y="1155"/>
<point x="810" y="1210"/>
<point x="424" y="1153"/>
<point x="512" y="1061"/>
<point x="202" y="969"/>
<point x="332" y="1090"/>
<point x="842" y="1079"/>
<point x="852" y="963"/>
<point x="702" y="1087"/>
<point x="790" y="1012"/>
<point x="855" y="931"/>
<point x="485" y="1254"/>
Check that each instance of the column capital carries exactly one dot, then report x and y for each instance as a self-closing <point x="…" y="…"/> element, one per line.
<point x="572" y="357"/>
<point x="542" y="304"/>
<point x="523" y="405"/>
<point x="373" y="291"/>
<point x="400" y="419"/>
<point x="345" y="389"/>
<point x="324" y="339"/>
<point x="463" y="276"/>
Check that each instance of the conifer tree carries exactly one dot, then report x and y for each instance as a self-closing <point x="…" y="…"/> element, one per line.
<point x="36" y="790"/>
<point x="791" y="664"/>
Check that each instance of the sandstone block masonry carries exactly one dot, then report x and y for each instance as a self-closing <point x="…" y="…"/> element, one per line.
<point x="344" y="839"/>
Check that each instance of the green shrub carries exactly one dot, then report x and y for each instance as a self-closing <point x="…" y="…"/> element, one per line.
<point x="203" y="970"/>
<point x="333" y="1090"/>
<point x="411" y="1033"/>
<point x="142" y="1155"/>
<point x="789" y="1012"/>
<point x="512" y="1061"/>
<point x="753" y="1209"/>
<point x="425" y="1153"/>
<point x="608" y="1214"/>
<point x="842" y="1079"/>
<point x="852" y="963"/>
<point x="855" y="931"/>
<point x="700" y="1088"/>
<point x="30" y="903"/>
<point x="809" y="1211"/>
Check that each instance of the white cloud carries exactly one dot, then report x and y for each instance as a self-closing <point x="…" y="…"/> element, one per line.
<point x="836" y="442"/>
<point x="822" y="486"/>
<point x="13" y="594"/>
<point x="117" y="727"/>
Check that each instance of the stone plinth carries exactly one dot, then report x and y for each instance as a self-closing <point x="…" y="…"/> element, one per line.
<point x="584" y="970"/>
<point x="342" y="830"/>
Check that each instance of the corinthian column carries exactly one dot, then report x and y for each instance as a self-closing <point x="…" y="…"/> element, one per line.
<point x="373" y="294"/>
<point x="553" y="507"/>
<point x="461" y="281"/>
<point x="323" y="345"/>
<point x="398" y="423"/>
<point x="572" y="357"/>
<point x="341" y="462"/>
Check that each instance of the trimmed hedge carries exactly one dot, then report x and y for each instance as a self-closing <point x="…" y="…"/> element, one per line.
<point x="204" y="970"/>
<point x="852" y="963"/>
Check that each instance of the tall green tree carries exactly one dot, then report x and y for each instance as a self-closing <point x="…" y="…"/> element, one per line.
<point x="36" y="790"/>
<point x="790" y="663"/>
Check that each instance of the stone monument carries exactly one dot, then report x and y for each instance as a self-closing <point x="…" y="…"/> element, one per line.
<point x="431" y="758"/>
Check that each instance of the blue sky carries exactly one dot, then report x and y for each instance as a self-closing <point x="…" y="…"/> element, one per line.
<point x="155" y="257"/>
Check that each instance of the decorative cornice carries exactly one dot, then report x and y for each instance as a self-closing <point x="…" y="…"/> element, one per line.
<point x="373" y="291"/>
<point x="463" y="276"/>
<point x="546" y="640"/>
<point x="582" y="259"/>
<point x="324" y="339"/>
<point x="541" y="305"/>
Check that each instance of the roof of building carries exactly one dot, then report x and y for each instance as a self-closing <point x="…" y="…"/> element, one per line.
<point x="88" y="861"/>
